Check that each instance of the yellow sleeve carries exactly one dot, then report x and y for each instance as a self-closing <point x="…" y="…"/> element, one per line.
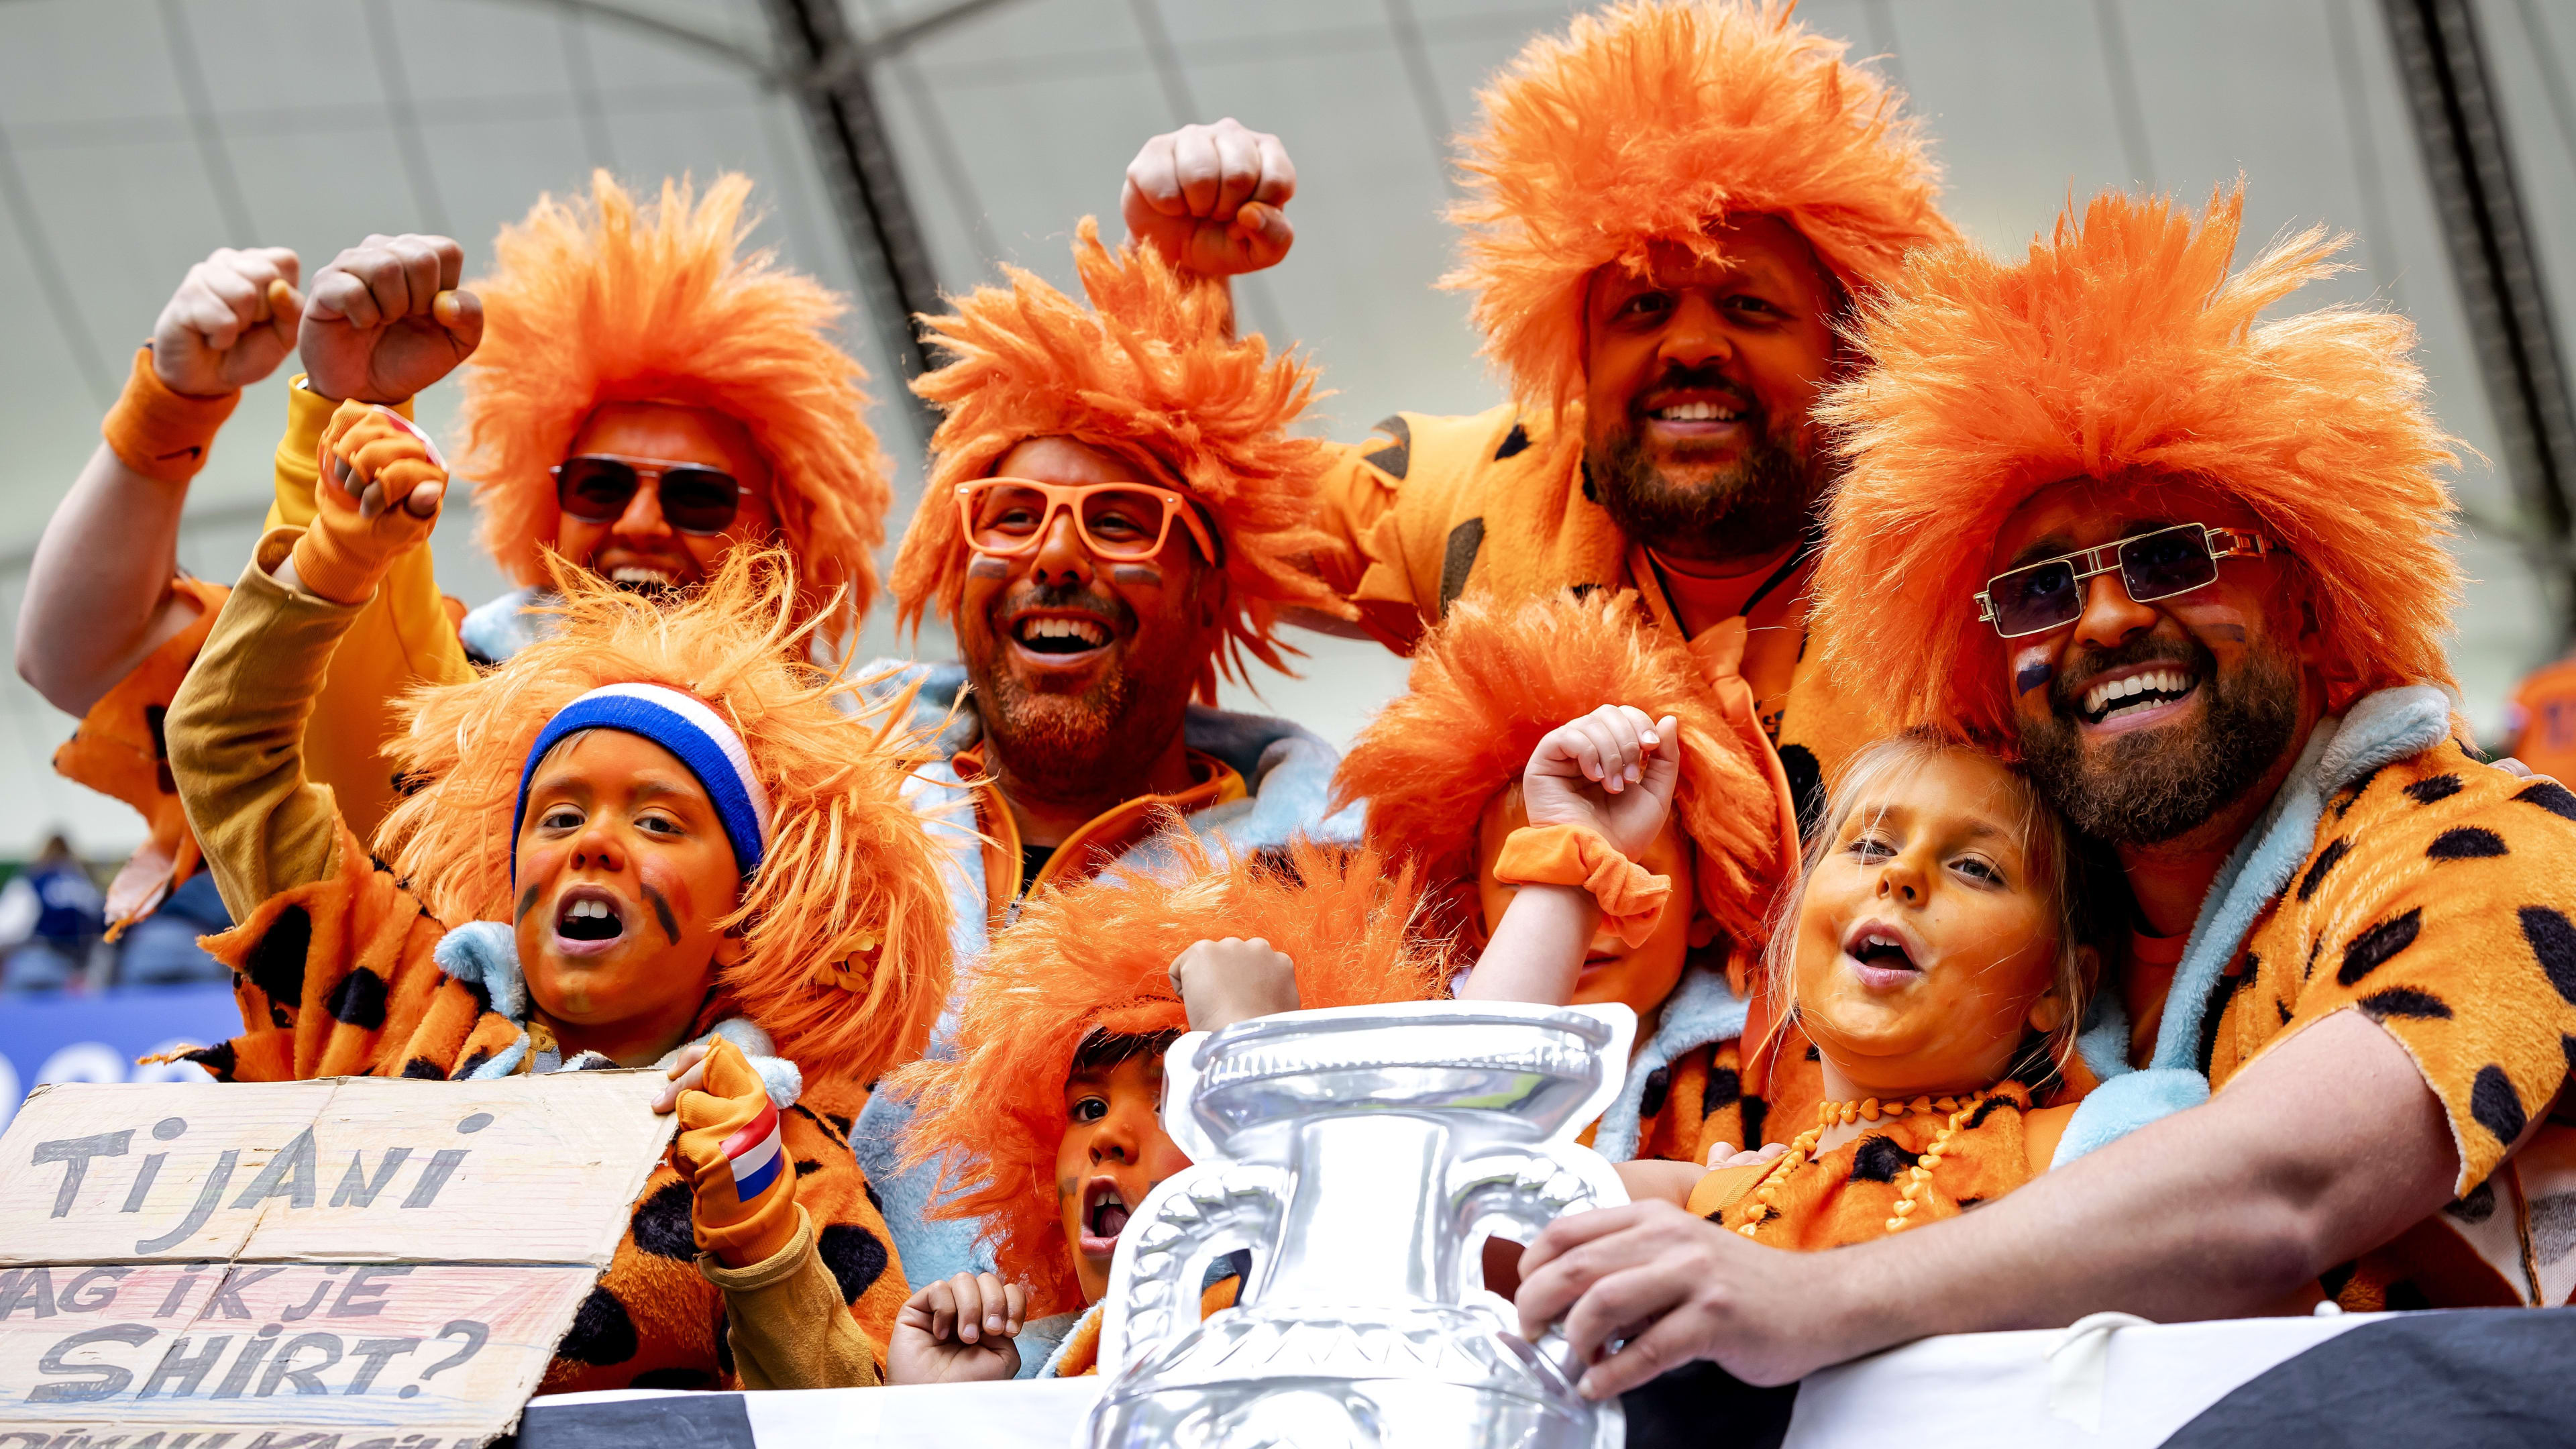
<point x="236" y="733"/>
<point x="403" y="637"/>
<point x="787" y="1323"/>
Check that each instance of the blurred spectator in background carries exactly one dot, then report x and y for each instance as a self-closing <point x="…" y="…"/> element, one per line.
<point x="2540" y="722"/>
<point x="162" y="950"/>
<point x="51" y="918"/>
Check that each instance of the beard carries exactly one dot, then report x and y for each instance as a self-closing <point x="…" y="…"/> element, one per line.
<point x="1752" y="505"/>
<point x="1057" y="744"/>
<point x="2153" y="785"/>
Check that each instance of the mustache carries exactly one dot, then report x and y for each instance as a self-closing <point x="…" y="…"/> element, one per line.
<point x="2065" y="698"/>
<point x="1703" y="378"/>
<point x="1062" y="596"/>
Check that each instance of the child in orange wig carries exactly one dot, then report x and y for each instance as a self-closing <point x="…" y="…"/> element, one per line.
<point x="1440" y="769"/>
<point x="1046" y="1118"/>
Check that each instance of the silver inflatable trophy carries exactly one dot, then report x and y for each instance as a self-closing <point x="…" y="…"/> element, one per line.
<point x="1362" y="1154"/>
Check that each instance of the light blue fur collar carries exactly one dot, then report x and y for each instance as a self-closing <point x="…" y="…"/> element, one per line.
<point x="1701" y="1010"/>
<point x="486" y="954"/>
<point x="2379" y="730"/>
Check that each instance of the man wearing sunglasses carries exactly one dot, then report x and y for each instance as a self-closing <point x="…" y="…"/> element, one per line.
<point x="642" y="398"/>
<point x="1666" y="211"/>
<point x="2189" y="566"/>
<point x="1116" y="514"/>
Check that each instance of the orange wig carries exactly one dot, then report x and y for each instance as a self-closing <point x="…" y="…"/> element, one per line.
<point x="1644" y="123"/>
<point x="1097" y="958"/>
<point x="2122" y="350"/>
<point x="1151" y="372"/>
<point x="846" y="921"/>
<point x="601" y="300"/>
<point x="1495" y="677"/>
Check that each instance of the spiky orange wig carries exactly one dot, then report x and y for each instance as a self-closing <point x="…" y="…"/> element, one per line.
<point x="1494" y="677"/>
<point x="1645" y="122"/>
<point x="600" y="300"/>
<point x="1097" y="959"/>
<point x="2121" y="350"/>
<point x="846" y="920"/>
<point x="1147" y="371"/>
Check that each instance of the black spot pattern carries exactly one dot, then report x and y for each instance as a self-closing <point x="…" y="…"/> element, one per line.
<point x="2309" y="971"/>
<point x="1515" y="443"/>
<point x="1725" y="1089"/>
<point x="2352" y="797"/>
<point x="2432" y="788"/>
<point x="218" y="1059"/>
<point x="1813" y="1055"/>
<point x="2327" y="859"/>
<point x="1986" y="1109"/>
<point x="1806" y="785"/>
<point x="277" y="962"/>
<point x="2553" y="940"/>
<point x="2228" y="986"/>
<point x="1396" y="457"/>
<point x="2477" y="1207"/>
<point x="601" y="1332"/>
<point x="854" y="1255"/>
<point x="359" y="1000"/>
<point x="840" y="1125"/>
<point x="2403" y="1001"/>
<point x="2283" y="1008"/>
<point x="1755" y="1109"/>
<point x="473" y="1059"/>
<point x="476" y="992"/>
<point x="875" y="1198"/>
<point x="807" y="1167"/>
<point x="1880" y="1159"/>
<point x="2496" y="1105"/>
<point x="425" y="1070"/>
<point x="2372" y="948"/>
<point x="1659" y="1085"/>
<point x="673" y="1378"/>
<point x="661" y="1224"/>
<point x="2468" y="842"/>
<point x="2551" y="796"/>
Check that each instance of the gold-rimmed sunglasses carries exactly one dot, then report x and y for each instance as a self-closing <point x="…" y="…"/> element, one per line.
<point x="2049" y="594"/>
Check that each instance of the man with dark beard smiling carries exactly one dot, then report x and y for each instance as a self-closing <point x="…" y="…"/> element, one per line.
<point x="1115" y="514"/>
<point x="2192" y="565"/>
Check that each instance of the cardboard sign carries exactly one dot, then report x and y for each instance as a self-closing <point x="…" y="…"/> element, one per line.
<point x="356" y="1263"/>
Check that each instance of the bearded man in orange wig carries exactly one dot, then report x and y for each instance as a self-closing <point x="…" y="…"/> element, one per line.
<point x="1046" y="1118"/>
<point x="643" y="398"/>
<point x="1667" y="210"/>
<point x="1116" y="514"/>
<point x="1440" y="769"/>
<point x="2188" y="565"/>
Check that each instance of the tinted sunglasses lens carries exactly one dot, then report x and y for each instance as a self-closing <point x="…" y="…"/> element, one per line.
<point x="699" y="500"/>
<point x="1122" y="522"/>
<point x="2161" y="565"/>
<point x="594" y="489"/>
<point x="2029" y="600"/>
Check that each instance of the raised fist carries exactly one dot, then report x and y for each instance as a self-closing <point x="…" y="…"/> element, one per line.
<point x="231" y="322"/>
<point x="1223" y="982"/>
<point x="959" y="1330"/>
<point x="1613" y="771"/>
<point x="1209" y="198"/>
<point x="377" y="499"/>
<point x="385" y="320"/>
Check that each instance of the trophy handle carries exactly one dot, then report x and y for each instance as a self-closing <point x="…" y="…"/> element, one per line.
<point x="1516" y="1187"/>
<point x="1189" y="1219"/>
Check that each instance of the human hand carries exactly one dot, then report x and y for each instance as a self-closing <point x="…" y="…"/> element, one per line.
<point x="1723" y="1154"/>
<point x="1612" y="771"/>
<point x="1678" y="1288"/>
<point x="688" y="1071"/>
<point x="742" y="1188"/>
<point x="377" y="499"/>
<point x="385" y="319"/>
<point x="231" y="322"/>
<point x="958" y="1331"/>
<point x="1223" y="982"/>
<point x="1209" y="198"/>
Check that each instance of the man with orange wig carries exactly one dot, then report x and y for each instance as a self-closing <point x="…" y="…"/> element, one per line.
<point x="1667" y="210"/>
<point x="1440" y="769"/>
<point x="2189" y="565"/>
<point x="1046" y="1118"/>
<point x="643" y="398"/>
<point x="1116" y="513"/>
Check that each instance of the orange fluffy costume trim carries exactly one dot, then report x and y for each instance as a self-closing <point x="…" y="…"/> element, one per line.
<point x="1149" y="369"/>
<point x="846" y="922"/>
<point x="1097" y="959"/>
<point x="2120" y="349"/>
<point x="1497" y="675"/>
<point x="1644" y="122"/>
<point x="601" y="300"/>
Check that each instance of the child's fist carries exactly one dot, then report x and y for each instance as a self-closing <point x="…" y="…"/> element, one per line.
<point x="958" y="1331"/>
<point x="742" y="1188"/>
<point x="378" y="497"/>
<point x="1223" y="982"/>
<point x="1611" y="771"/>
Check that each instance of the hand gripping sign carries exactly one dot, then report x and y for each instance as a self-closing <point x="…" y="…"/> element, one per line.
<point x="355" y="1263"/>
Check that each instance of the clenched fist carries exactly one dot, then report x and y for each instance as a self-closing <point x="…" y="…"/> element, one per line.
<point x="1209" y="198"/>
<point x="385" y="319"/>
<point x="1612" y="771"/>
<point x="230" y="324"/>
<point x="1223" y="982"/>
<point x="377" y="499"/>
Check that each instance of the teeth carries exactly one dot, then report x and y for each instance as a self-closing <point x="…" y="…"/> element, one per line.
<point x="637" y="574"/>
<point x="583" y="909"/>
<point x="2168" y="682"/>
<point x="1081" y="629"/>
<point x="1698" y="412"/>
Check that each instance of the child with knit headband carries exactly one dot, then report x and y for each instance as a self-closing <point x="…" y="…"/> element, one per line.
<point x="661" y="843"/>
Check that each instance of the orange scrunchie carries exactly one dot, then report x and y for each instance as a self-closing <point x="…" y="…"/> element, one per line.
<point x="161" y="434"/>
<point x="1631" y="896"/>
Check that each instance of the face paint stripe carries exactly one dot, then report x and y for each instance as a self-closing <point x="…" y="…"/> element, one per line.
<point x="662" y="909"/>
<point x="528" y="899"/>
<point x="2032" y="676"/>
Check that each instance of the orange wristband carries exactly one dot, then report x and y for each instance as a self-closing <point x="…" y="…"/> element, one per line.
<point x="1631" y="897"/>
<point x="159" y="433"/>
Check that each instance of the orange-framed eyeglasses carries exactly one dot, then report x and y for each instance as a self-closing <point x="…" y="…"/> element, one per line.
<point x="1007" y="517"/>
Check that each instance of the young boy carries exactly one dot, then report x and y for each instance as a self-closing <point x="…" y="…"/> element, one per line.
<point x="654" y="829"/>
<point x="1047" y="1118"/>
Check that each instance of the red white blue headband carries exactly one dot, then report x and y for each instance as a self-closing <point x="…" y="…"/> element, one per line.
<point x="678" y="722"/>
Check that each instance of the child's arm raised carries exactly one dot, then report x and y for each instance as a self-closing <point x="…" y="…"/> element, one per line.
<point x="1610" y="775"/>
<point x="1223" y="982"/>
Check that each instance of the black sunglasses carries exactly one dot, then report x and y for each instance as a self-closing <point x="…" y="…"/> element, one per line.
<point x="2049" y="594"/>
<point x="596" y="487"/>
